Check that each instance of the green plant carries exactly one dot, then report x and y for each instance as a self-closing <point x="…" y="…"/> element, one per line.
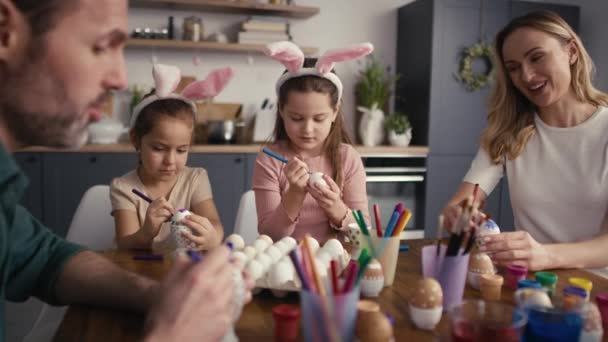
<point x="376" y="84"/>
<point x="397" y="122"/>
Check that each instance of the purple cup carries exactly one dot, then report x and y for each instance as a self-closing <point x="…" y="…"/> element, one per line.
<point x="602" y="304"/>
<point x="450" y="272"/>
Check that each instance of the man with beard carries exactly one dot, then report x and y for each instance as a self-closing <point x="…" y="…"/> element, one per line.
<point x="58" y="60"/>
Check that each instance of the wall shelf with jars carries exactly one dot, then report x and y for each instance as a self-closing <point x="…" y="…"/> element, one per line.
<point x="202" y="45"/>
<point x="236" y="7"/>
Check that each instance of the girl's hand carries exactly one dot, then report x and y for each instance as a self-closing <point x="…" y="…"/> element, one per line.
<point x="203" y="233"/>
<point x="159" y="212"/>
<point x="517" y="248"/>
<point x="329" y="199"/>
<point x="297" y="175"/>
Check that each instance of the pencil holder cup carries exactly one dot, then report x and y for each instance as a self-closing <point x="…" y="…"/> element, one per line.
<point x="324" y="318"/>
<point x="450" y="271"/>
<point x="388" y="247"/>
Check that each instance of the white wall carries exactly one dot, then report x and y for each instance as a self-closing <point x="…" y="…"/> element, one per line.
<point x="340" y="23"/>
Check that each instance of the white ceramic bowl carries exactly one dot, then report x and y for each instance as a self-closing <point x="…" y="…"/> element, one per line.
<point x="106" y="131"/>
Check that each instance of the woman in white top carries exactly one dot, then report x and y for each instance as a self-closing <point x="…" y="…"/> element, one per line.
<point x="548" y="133"/>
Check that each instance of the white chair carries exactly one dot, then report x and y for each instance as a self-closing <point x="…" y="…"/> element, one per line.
<point x="246" y="223"/>
<point x="92" y="226"/>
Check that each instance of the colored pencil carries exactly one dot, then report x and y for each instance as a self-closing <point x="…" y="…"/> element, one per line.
<point x="391" y="224"/>
<point x="274" y="155"/>
<point x="313" y="267"/>
<point x="333" y="264"/>
<point x="298" y="267"/>
<point x="141" y="195"/>
<point x="377" y="219"/>
<point x="403" y="220"/>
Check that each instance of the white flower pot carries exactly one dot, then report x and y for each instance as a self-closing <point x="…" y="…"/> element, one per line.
<point x="401" y="140"/>
<point x="371" y="127"/>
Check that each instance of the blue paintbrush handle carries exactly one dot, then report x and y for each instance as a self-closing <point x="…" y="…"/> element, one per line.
<point x="274" y="155"/>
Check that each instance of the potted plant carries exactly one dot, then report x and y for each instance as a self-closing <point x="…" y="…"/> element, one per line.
<point x="374" y="89"/>
<point x="399" y="129"/>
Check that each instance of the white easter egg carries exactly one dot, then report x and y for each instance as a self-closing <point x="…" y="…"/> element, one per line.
<point x="313" y="243"/>
<point x="250" y="252"/>
<point x="282" y="246"/>
<point x="321" y="269"/>
<point x="291" y="242"/>
<point x="255" y="269"/>
<point x="264" y="260"/>
<point x="260" y="245"/>
<point x="240" y="257"/>
<point x="237" y="241"/>
<point x="180" y="215"/>
<point x="280" y="274"/>
<point x="317" y="178"/>
<point x="265" y="238"/>
<point x="274" y="253"/>
<point x="323" y="257"/>
<point x="334" y="248"/>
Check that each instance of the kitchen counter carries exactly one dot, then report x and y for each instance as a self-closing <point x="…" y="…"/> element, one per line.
<point x="365" y="151"/>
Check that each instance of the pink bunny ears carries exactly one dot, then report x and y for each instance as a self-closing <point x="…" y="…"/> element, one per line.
<point x="290" y="55"/>
<point x="166" y="79"/>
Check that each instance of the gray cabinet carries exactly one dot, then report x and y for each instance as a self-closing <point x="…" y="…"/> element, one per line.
<point x="67" y="176"/>
<point x="31" y="164"/>
<point x="431" y="35"/>
<point x="227" y="177"/>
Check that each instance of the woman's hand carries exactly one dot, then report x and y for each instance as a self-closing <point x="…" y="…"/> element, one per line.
<point x="297" y="175"/>
<point x="203" y="233"/>
<point x="159" y="212"/>
<point x="329" y="199"/>
<point x="517" y="248"/>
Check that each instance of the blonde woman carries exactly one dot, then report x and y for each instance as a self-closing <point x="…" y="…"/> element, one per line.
<point x="548" y="133"/>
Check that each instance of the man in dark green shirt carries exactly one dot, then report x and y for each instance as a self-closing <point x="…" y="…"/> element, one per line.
<point x="58" y="60"/>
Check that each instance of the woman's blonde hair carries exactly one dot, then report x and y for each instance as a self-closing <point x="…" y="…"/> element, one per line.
<point x="511" y="114"/>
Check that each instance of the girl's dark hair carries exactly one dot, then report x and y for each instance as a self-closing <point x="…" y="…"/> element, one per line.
<point x="337" y="134"/>
<point x="43" y="15"/>
<point x="150" y="114"/>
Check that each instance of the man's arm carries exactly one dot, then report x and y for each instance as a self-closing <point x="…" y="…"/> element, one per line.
<point x="90" y="278"/>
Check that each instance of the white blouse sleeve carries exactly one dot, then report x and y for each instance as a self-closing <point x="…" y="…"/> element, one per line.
<point x="484" y="172"/>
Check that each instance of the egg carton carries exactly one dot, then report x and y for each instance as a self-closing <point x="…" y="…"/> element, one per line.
<point x="269" y="264"/>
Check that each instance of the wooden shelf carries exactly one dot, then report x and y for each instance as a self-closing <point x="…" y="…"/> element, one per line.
<point x="187" y="45"/>
<point x="236" y="7"/>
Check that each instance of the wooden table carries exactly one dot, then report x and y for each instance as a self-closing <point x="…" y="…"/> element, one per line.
<point x="85" y="323"/>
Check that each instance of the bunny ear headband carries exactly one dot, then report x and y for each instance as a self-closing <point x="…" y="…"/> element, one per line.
<point x="166" y="79"/>
<point x="290" y="55"/>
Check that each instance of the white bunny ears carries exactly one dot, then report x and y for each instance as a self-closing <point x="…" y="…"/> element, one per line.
<point x="290" y="55"/>
<point x="166" y="79"/>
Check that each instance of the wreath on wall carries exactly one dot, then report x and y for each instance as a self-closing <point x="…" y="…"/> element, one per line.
<point x="476" y="80"/>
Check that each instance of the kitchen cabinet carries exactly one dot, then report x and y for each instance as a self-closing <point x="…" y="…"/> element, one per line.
<point x="227" y="177"/>
<point x="67" y="176"/>
<point x="431" y="35"/>
<point x="31" y="164"/>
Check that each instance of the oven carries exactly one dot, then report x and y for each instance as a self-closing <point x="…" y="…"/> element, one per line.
<point x="393" y="178"/>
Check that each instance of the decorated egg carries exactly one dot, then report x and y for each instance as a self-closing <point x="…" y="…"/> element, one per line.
<point x="316" y="178"/>
<point x="179" y="216"/>
<point x="334" y="248"/>
<point x="428" y="294"/>
<point x="236" y="240"/>
<point x="372" y="281"/>
<point x="373" y="326"/>
<point x="479" y="263"/>
<point x="250" y="252"/>
<point x="265" y="238"/>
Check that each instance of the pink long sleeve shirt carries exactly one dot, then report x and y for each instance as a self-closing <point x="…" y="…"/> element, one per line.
<point x="270" y="183"/>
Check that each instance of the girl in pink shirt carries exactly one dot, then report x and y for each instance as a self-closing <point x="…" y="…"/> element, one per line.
<point x="309" y="133"/>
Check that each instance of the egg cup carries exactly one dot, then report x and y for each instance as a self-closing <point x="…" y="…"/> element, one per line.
<point x="371" y="287"/>
<point x="425" y="319"/>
